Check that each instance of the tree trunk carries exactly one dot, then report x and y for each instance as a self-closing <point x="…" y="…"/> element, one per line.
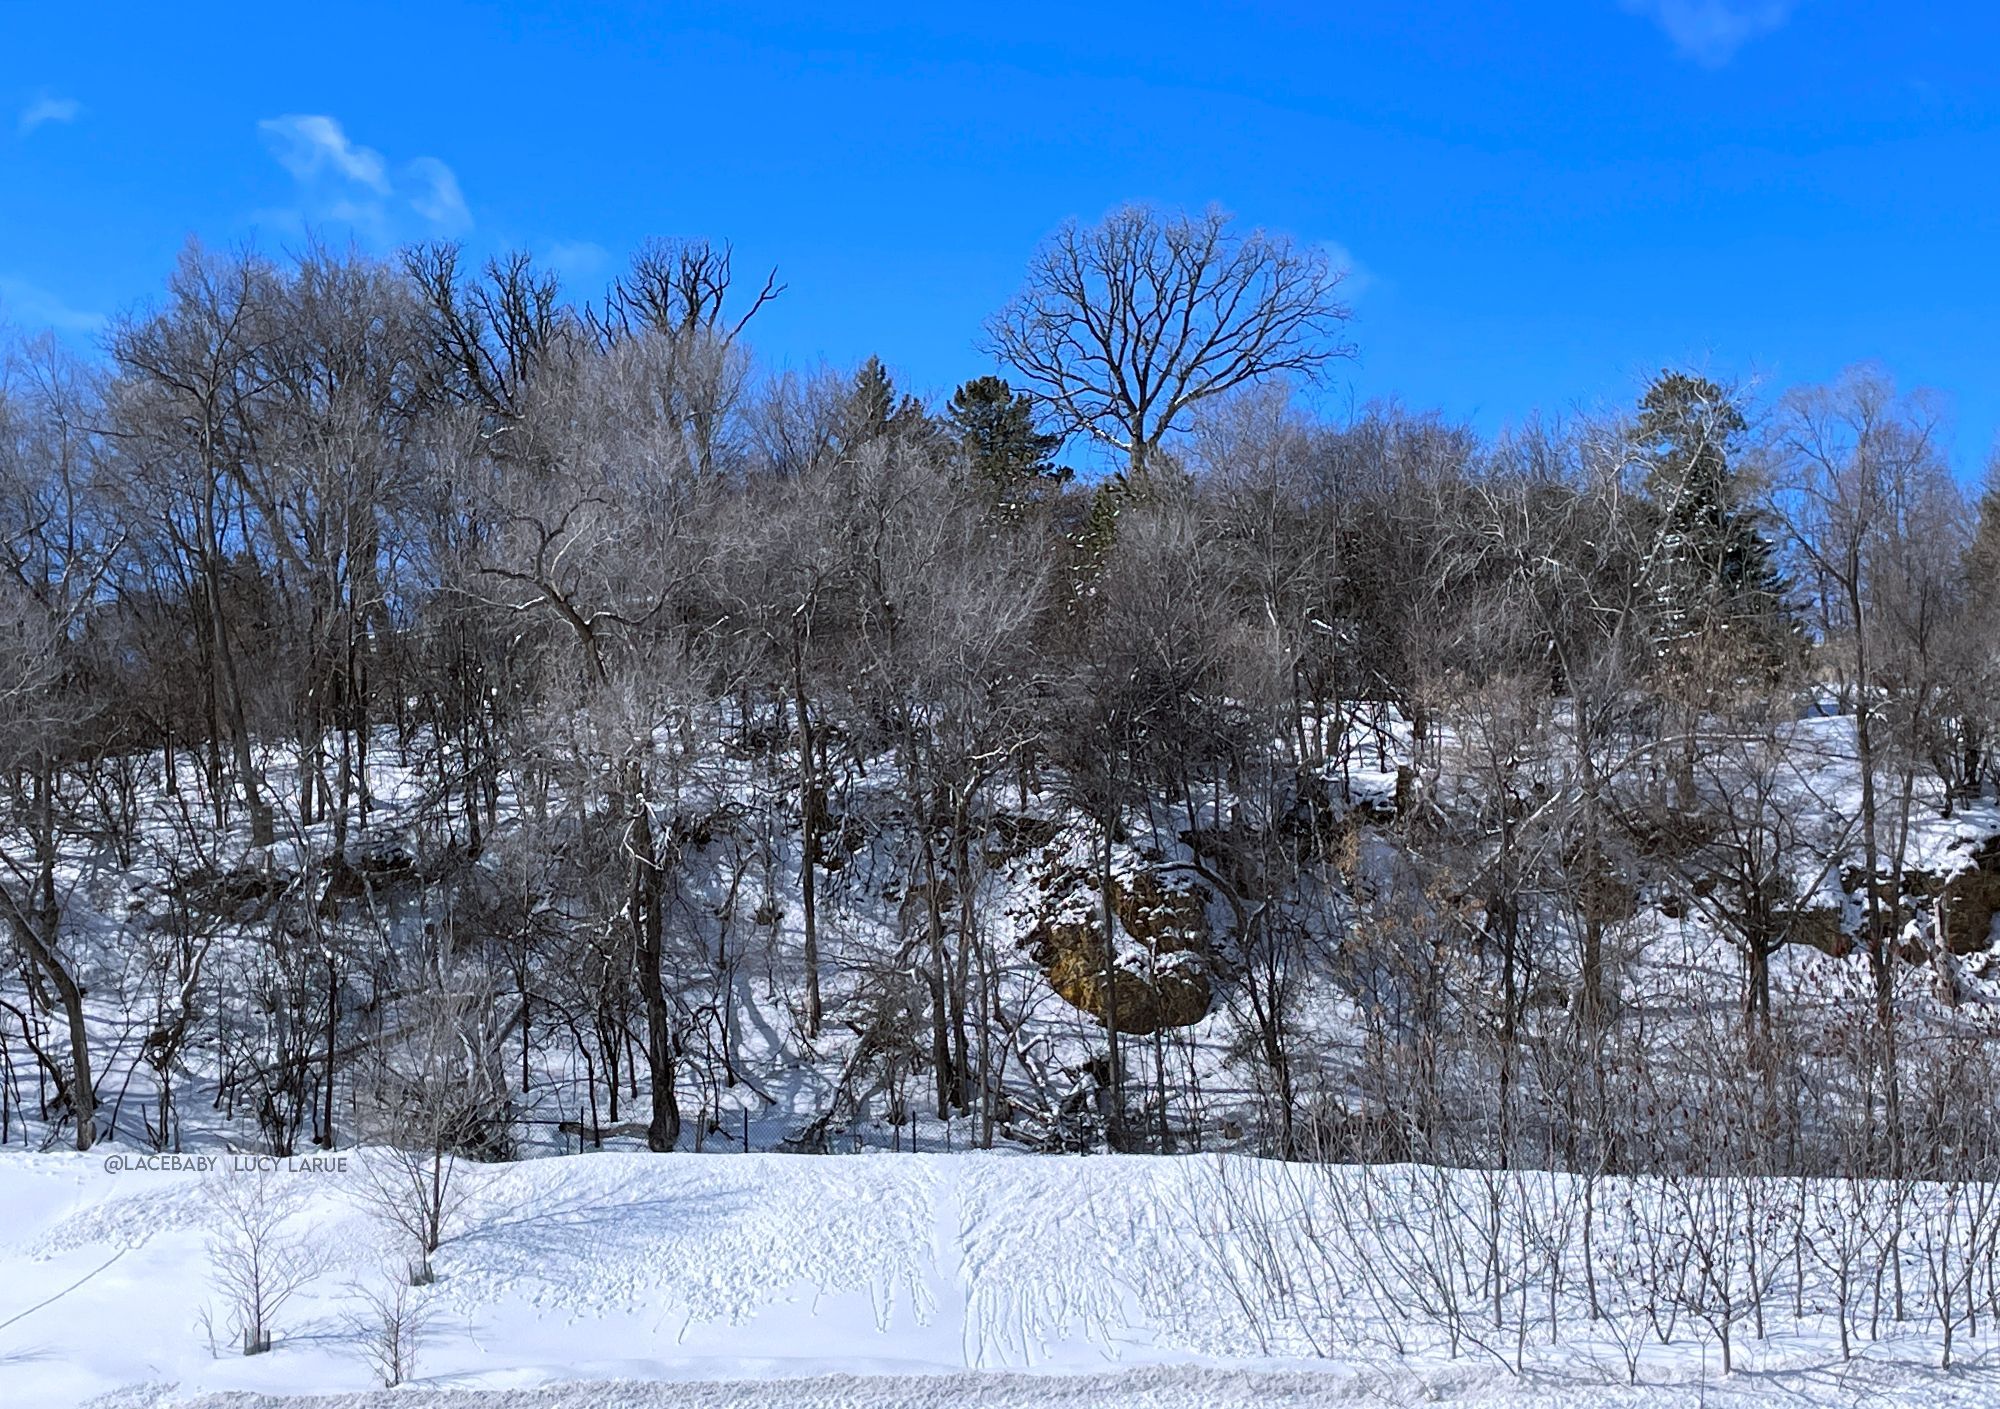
<point x="810" y="807"/>
<point x="35" y="930"/>
<point x="663" y="1127"/>
<point x="1114" y="1121"/>
<point x="230" y="696"/>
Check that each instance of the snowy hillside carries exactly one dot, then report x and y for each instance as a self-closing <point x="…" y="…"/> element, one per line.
<point x="872" y="1270"/>
<point x="512" y="819"/>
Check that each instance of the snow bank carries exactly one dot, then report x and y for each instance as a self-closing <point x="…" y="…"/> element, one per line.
<point x="635" y="1280"/>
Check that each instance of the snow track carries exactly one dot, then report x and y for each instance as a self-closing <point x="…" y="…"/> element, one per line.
<point x="1156" y="1387"/>
<point x="632" y="1281"/>
<point x="1149" y="1387"/>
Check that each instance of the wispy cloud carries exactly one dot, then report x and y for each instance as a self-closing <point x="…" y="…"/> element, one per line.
<point x="1356" y="277"/>
<point x="436" y="196"/>
<point x="341" y="180"/>
<point x="310" y="145"/>
<point x="45" y="110"/>
<point x="576" y="259"/>
<point x="33" y="307"/>
<point x="1711" y="31"/>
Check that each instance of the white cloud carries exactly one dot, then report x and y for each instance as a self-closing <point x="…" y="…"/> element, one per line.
<point x="32" y="307"/>
<point x="45" y="110"/>
<point x="579" y="259"/>
<point x="307" y="144"/>
<point x="1711" y="31"/>
<point x="1356" y="277"/>
<point x="344" y="182"/>
<point x="438" y="198"/>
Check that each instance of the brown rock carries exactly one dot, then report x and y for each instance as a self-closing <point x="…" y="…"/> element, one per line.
<point x="1819" y="927"/>
<point x="1968" y="901"/>
<point x="1015" y="834"/>
<point x="1971" y="900"/>
<point x="1172" y="990"/>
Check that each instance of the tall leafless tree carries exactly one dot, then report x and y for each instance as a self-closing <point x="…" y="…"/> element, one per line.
<point x="1125" y="326"/>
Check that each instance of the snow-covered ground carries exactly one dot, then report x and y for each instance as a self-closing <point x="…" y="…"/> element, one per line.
<point x="1176" y="1387"/>
<point x="634" y="1280"/>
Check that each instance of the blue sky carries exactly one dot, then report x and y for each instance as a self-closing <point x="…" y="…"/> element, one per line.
<point x="1541" y="202"/>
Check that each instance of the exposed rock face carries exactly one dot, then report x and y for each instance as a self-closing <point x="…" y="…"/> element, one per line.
<point x="1968" y="901"/>
<point x="1162" y="977"/>
<point x="243" y="893"/>
<point x="1016" y="834"/>
<point x="1325" y="821"/>
<point x="1971" y="901"/>
<point x="1818" y="926"/>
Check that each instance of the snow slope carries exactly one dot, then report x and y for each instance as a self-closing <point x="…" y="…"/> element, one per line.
<point x="1177" y="1387"/>
<point x="918" y="1280"/>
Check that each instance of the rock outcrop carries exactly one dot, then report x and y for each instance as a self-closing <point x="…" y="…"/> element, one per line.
<point x="1162" y="976"/>
<point x="1970" y="902"/>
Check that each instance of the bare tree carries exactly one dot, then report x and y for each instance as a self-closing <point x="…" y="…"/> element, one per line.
<point x="436" y="1097"/>
<point x="1125" y="326"/>
<point x="257" y="1263"/>
<point x="54" y="555"/>
<point x="389" y="1326"/>
<point x="1877" y="526"/>
<point x="185" y="417"/>
<point x="680" y="286"/>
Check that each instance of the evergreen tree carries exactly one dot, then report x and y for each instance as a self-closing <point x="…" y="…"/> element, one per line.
<point x="1982" y="559"/>
<point x="874" y="409"/>
<point x="1977" y="658"/>
<point x="1095" y="537"/>
<point x="996" y="427"/>
<point x="1716" y="582"/>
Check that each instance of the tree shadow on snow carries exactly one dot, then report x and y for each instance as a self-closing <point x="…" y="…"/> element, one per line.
<point x="561" y="1224"/>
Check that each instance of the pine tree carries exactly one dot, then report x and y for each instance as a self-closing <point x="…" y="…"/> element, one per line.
<point x="1715" y="579"/>
<point x="1979" y="657"/>
<point x="1982" y="559"/>
<point x="996" y="427"/>
<point x="874" y="409"/>
<point x="1097" y="534"/>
